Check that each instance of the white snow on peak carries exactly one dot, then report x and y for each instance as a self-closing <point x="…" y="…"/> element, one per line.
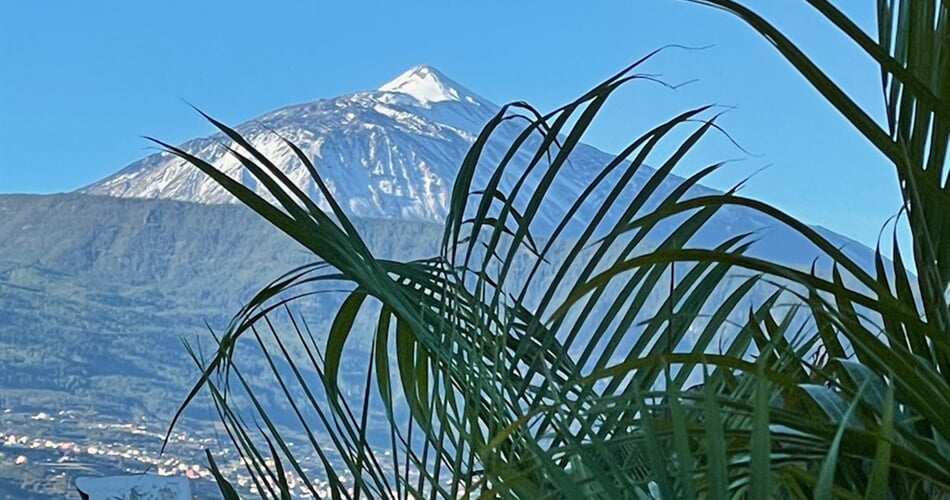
<point x="426" y="84"/>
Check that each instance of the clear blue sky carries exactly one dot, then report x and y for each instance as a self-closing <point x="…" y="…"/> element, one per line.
<point x="81" y="81"/>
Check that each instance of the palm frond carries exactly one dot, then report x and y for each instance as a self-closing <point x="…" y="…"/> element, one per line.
<point x="587" y="343"/>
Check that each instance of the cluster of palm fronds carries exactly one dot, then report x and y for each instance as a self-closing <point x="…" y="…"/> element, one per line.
<point x="620" y="359"/>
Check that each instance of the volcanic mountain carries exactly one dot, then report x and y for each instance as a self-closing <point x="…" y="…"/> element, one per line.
<point x="393" y="153"/>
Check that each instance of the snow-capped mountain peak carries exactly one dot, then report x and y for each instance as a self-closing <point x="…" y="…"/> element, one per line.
<point x="392" y="152"/>
<point x="427" y="85"/>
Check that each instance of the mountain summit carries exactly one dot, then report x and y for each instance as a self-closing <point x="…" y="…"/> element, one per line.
<point x="426" y="84"/>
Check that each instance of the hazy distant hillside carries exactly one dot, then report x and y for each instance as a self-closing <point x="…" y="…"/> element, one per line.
<point x="96" y="291"/>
